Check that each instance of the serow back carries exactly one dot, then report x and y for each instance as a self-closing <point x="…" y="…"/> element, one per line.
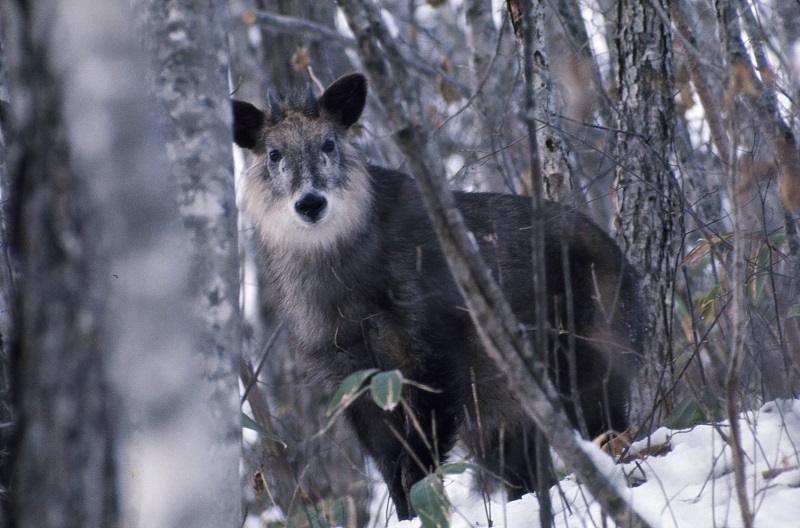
<point x="361" y="282"/>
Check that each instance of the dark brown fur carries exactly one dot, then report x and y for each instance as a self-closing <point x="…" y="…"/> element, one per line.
<point x="365" y="285"/>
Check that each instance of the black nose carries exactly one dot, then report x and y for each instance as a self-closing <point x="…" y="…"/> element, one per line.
<point x="310" y="206"/>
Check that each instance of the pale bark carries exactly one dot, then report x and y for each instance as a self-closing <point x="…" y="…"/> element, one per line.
<point x="114" y="425"/>
<point x="188" y="43"/>
<point x="553" y="158"/>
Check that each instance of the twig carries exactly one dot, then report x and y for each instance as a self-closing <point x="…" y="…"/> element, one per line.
<point x="254" y="378"/>
<point x="286" y="25"/>
<point x="737" y="61"/>
<point x="709" y="100"/>
<point x="531" y="13"/>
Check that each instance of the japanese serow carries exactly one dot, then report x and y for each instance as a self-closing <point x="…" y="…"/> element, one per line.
<point x="361" y="283"/>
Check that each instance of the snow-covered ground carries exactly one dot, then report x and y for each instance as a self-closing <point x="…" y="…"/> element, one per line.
<point x="690" y="485"/>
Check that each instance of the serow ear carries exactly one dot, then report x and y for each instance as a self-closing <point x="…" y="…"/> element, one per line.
<point x="345" y="98"/>
<point x="247" y="124"/>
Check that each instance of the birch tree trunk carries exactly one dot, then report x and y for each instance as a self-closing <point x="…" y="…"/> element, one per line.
<point x="188" y="42"/>
<point x="553" y="160"/>
<point x="646" y="194"/>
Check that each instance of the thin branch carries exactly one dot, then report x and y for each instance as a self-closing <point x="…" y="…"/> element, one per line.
<point x="536" y="76"/>
<point x="254" y="377"/>
<point x="740" y="68"/>
<point x="286" y="25"/>
<point x="708" y="98"/>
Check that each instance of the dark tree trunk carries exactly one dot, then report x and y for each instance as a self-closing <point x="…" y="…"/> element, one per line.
<point x="646" y="223"/>
<point x="7" y="278"/>
<point x="64" y="472"/>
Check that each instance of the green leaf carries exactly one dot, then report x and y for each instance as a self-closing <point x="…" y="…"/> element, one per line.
<point x="684" y="414"/>
<point x="430" y="502"/>
<point x="249" y="423"/>
<point x="794" y="311"/>
<point x="706" y="304"/>
<point x="762" y="261"/>
<point x="348" y="390"/>
<point x="456" y="468"/>
<point x="386" y="388"/>
<point x="778" y="239"/>
<point x="689" y="413"/>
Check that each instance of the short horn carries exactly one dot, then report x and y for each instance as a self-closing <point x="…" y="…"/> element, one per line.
<point x="312" y="109"/>
<point x="274" y="108"/>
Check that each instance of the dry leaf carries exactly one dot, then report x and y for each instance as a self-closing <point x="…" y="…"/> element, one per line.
<point x="447" y="91"/>
<point x="614" y="444"/>
<point x="249" y="18"/>
<point x="259" y="482"/>
<point x="300" y="59"/>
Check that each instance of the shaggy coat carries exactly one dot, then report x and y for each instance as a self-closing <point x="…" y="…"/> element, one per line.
<point x="361" y="283"/>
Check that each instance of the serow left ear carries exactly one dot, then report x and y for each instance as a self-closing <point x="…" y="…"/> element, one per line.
<point x="345" y="98"/>
<point x="248" y="121"/>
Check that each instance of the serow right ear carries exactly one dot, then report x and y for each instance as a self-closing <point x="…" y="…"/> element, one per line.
<point x="248" y="121"/>
<point x="345" y="98"/>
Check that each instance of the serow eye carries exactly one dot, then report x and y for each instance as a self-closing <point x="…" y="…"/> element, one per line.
<point x="328" y="145"/>
<point x="275" y="155"/>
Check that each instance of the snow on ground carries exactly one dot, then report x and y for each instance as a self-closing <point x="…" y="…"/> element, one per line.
<point x="691" y="485"/>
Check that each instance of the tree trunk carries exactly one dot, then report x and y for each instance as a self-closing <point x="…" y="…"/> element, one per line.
<point x="7" y="278"/>
<point x="646" y="194"/>
<point x="64" y="468"/>
<point x="553" y="160"/>
<point x="114" y="419"/>
<point x="188" y="42"/>
<point x="64" y="472"/>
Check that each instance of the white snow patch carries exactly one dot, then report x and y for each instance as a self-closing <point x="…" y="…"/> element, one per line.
<point x="690" y="486"/>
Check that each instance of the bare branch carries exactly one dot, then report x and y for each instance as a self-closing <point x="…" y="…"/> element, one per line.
<point x="708" y="98"/>
<point x="286" y="25"/>
<point x="537" y="80"/>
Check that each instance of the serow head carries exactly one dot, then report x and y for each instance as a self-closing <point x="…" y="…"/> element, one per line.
<point x="305" y="164"/>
